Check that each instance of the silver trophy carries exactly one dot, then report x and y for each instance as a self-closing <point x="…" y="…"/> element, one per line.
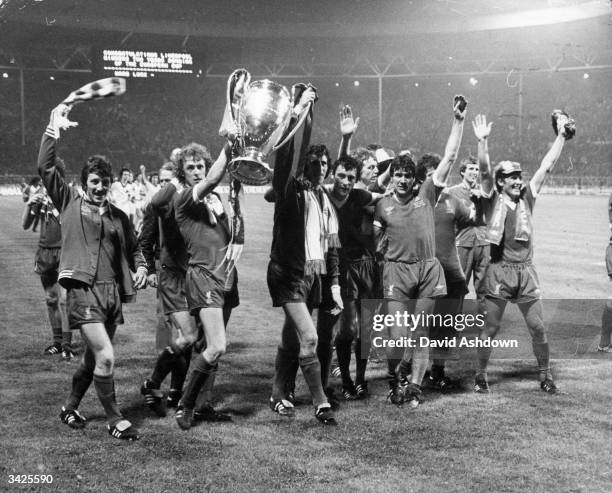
<point x="259" y="112"/>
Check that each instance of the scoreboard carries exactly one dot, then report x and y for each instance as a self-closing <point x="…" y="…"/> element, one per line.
<point x="144" y="64"/>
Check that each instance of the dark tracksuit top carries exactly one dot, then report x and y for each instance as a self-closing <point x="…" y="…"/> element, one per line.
<point x="81" y="230"/>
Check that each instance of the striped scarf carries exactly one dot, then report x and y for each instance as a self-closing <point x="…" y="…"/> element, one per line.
<point x="320" y="230"/>
<point x="495" y="231"/>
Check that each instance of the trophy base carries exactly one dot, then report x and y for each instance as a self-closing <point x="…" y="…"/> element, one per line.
<point x="250" y="171"/>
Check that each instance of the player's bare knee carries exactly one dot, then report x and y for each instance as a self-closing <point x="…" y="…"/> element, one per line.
<point x="105" y="362"/>
<point x="52" y="299"/>
<point x="538" y="334"/>
<point x="308" y="346"/>
<point x="214" y="351"/>
<point x="186" y="339"/>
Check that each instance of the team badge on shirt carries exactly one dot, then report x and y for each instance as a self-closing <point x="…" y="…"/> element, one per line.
<point x="418" y="202"/>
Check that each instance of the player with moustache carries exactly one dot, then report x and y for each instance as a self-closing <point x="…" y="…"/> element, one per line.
<point x="40" y="210"/>
<point x="99" y="253"/>
<point x="472" y="244"/>
<point x="211" y="279"/>
<point x="303" y="248"/>
<point x="511" y="275"/>
<point x="412" y="276"/>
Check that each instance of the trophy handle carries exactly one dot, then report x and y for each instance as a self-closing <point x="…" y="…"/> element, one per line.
<point x="236" y="85"/>
<point x="296" y="92"/>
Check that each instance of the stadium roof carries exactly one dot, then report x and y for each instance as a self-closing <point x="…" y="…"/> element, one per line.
<point x="37" y="32"/>
<point x="289" y="18"/>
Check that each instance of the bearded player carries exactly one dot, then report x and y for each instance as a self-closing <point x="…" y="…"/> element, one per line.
<point x="511" y="275"/>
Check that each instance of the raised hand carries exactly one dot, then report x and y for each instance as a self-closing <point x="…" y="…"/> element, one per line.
<point x="308" y="97"/>
<point x="458" y="103"/>
<point x="481" y="128"/>
<point x="348" y="125"/>
<point x="59" y="117"/>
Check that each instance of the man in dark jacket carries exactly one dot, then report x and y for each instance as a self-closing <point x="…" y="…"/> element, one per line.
<point x="99" y="253"/>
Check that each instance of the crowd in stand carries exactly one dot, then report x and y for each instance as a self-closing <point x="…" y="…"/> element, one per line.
<point x="142" y="125"/>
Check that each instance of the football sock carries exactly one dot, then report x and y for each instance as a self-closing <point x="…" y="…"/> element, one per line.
<point x="405" y="368"/>
<point x="181" y="367"/>
<point x="67" y="338"/>
<point x="343" y="351"/>
<point x="164" y="364"/>
<point x="361" y="362"/>
<point x="292" y="371"/>
<point x="202" y="369"/>
<point x="285" y="365"/>
<point x="542" y="354"/>
<point x="105" y="387"/>
<point x="324" y="353"/>
<point x="484" y="354"/>
<point x="57" y="335"/>
<point x="311" y="369"/>
<point x="392" y="365"/>
<point x="205" y="395"/>
<point x="325" y="335"/>
<point x="81" y="380"/>
<point x="437" y="369"/>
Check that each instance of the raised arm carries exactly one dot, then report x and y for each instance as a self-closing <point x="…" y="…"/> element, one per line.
<point x="283" y="162"/>
<point x="452" y="145"/>
<point x="216" y="173"/>
<point x="482" y="130"/>
<point x="56" y="185"/>
<point x="348" y="126"/>
<point x="551" y="157"/>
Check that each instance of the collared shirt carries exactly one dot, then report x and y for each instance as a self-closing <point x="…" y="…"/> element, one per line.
<point x="409" y="227"/>
<point x="206" y="242"/>
<point x="450" y="214"/>
<point x="355" y="226"/>
<point x="475" y="234"/>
